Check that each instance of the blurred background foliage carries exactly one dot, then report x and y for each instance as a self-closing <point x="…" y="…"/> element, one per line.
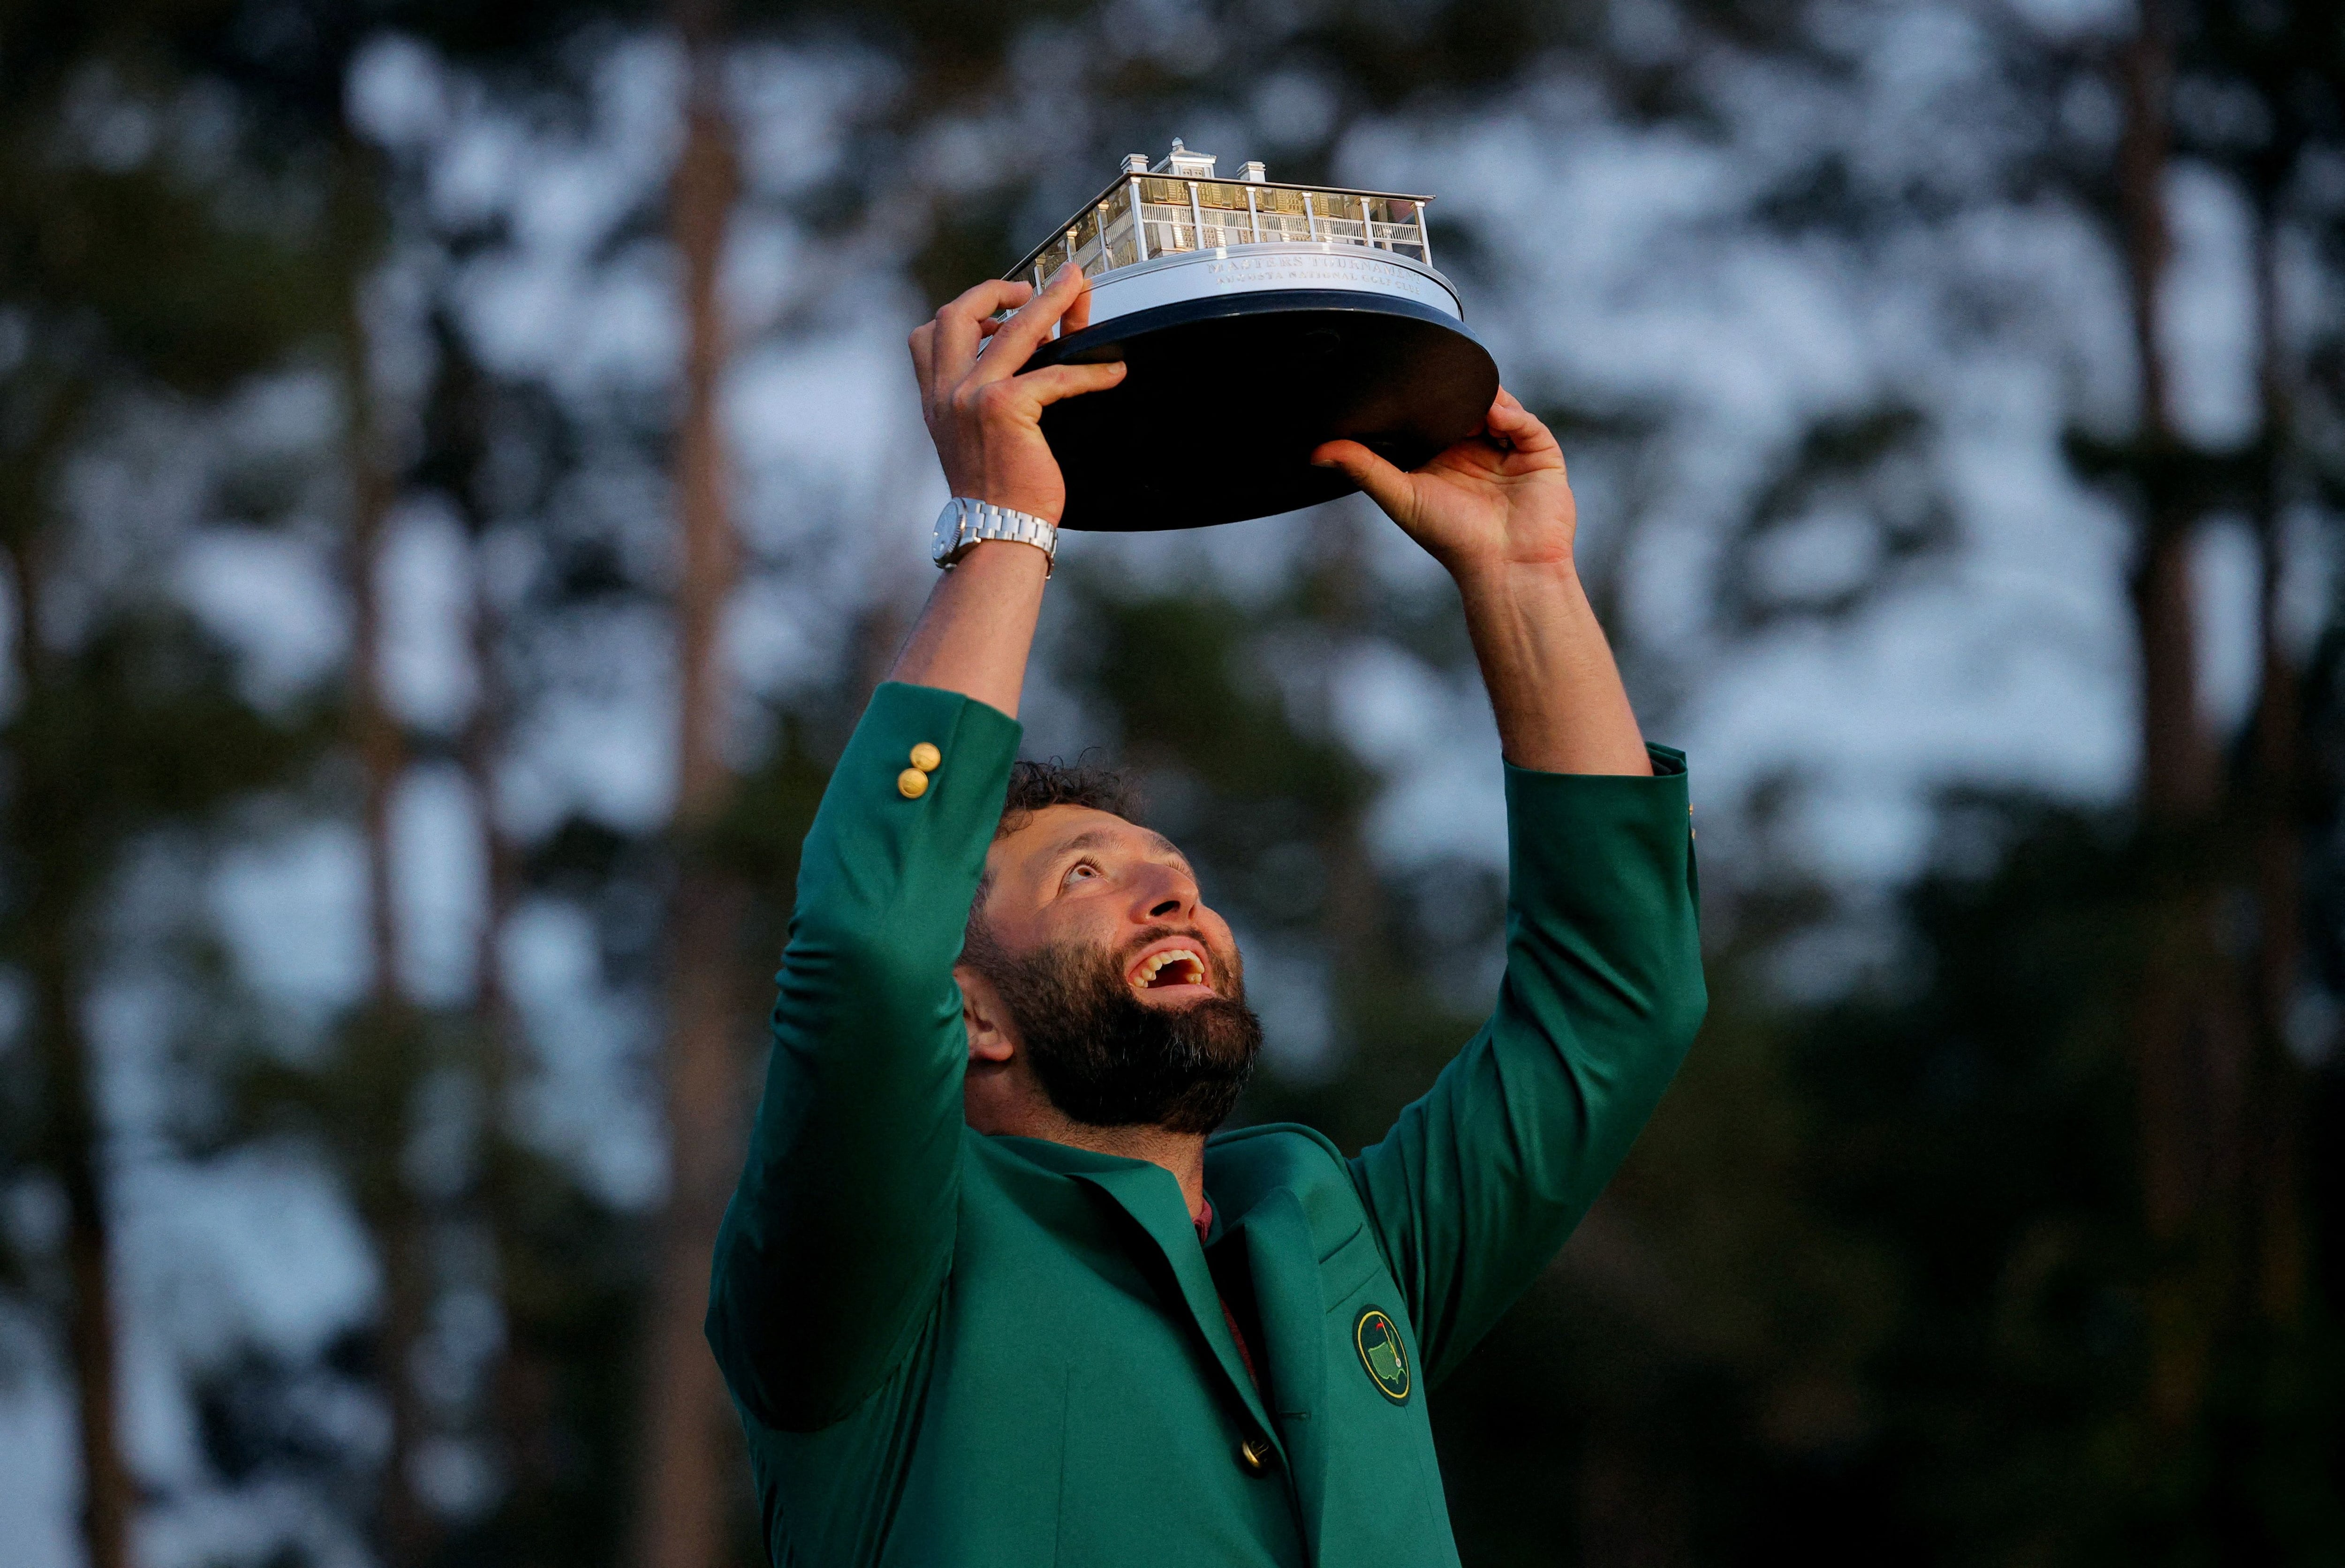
<point x="431" y="616"/>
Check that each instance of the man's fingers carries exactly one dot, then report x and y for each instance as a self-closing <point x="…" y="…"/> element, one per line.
<point x="1055" y="382"/>
<point x="959" y="325"/>
<point x="1518" y="425"/>
<point x="1018" y="337"/>
<point x="924" y="354"/>
<point x="1386" y="485"/>
<point x="988" y="329"/>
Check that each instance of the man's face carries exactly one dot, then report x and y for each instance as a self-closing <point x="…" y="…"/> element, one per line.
<point x="1124" y="989"/>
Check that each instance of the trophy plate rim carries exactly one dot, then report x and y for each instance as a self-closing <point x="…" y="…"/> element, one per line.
<point x="1160" y="271"/>
<point x="1082" y="348"/>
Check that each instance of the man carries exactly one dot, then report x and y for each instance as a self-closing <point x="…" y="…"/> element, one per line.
<point x="992" y="1291"/>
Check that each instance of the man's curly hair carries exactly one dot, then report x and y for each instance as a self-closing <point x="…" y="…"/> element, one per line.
<point x="1037" y="786"/>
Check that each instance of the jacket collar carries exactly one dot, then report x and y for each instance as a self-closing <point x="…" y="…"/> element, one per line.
<point x="1152" y="1197"/>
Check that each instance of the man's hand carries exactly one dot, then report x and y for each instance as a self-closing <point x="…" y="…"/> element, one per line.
<point x="986" y="419"/>
<point x="984" y="416"/>
<point x="1496" y="510"/>
<point x="1498" y="499"/>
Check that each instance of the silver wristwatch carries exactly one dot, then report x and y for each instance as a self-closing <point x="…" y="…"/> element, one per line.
<point x="965" y="523"/>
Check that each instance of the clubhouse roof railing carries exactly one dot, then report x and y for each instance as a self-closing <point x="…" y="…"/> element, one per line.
<point x="1179" y="207"/>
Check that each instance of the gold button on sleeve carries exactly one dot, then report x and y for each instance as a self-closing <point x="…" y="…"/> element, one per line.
<point x="911" y="783"/>
<point x="926" y="757"/>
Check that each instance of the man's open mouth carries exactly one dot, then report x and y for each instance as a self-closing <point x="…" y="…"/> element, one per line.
<point x="1168" y="966"/>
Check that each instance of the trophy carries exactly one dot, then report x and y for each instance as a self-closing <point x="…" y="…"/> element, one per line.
<point x="1258" y="320"/>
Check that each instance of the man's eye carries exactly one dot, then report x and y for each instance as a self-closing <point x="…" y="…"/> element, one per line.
<point x="1081" y="871"/>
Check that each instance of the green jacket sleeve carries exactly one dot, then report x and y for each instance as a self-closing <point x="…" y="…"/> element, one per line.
<point x="839" y="1236"/>
<point x="1480" y="1181"/>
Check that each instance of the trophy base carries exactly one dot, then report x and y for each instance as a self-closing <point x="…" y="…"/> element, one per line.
<point x="1226" y="397"/>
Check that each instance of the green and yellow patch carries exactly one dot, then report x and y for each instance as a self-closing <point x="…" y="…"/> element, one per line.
<point x="1377" y="1338"/>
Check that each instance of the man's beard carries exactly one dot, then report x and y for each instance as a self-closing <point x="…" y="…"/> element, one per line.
<point x="1108" y="1059"/>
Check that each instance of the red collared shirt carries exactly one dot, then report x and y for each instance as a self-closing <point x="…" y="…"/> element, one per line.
<point x="1204" y="1223"/>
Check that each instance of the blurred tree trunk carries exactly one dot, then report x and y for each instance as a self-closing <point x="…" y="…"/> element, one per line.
<point x="2177" y="765"/>
<point x="55" y="850"/>
<point x="680" y="1520"/>
<point x="2193" y="1045"/>
<point x="2178" y="773"/>
<point x="2289" y="63"/>
<point x="2275" y="1221"/>
<point x="386" y="1038"/>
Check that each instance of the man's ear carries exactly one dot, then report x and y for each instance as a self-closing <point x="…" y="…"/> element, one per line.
<point x="987" y="1021"/>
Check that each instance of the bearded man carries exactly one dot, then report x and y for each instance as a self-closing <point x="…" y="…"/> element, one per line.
<point x="993" y="1291"/>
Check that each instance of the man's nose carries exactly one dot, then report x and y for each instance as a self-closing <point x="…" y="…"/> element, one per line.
<point x="1167" y="894"/>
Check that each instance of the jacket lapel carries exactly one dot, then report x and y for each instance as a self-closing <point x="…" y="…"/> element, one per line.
<point x="1284" y="1264"/>
<point x="1149" y="1195"/>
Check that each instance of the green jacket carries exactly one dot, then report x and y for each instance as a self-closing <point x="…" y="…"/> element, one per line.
<point x="951" y="1349"/>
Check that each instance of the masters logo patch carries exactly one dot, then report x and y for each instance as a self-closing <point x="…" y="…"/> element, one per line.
<point x="1377" y="1338"/>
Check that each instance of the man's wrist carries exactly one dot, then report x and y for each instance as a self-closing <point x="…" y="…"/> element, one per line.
<point x="1497" y="579"/>
<point x="1009" y="497"/>
<point x="966" y="523"/>
<point x="991" y="555"/>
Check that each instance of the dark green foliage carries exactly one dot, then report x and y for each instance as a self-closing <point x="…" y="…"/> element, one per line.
<point x="571" y="1287"/>
<point x="1980" y="1137"/>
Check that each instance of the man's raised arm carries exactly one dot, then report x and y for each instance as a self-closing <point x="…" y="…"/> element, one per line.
<point x="840" y="1231"/>
<point x="1481" y="1180"/>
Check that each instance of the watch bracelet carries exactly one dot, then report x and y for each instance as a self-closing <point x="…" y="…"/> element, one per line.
<point x="981" y="522"/>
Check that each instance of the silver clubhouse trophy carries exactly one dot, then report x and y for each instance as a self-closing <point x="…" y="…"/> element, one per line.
<point x="1258" y="320"/>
